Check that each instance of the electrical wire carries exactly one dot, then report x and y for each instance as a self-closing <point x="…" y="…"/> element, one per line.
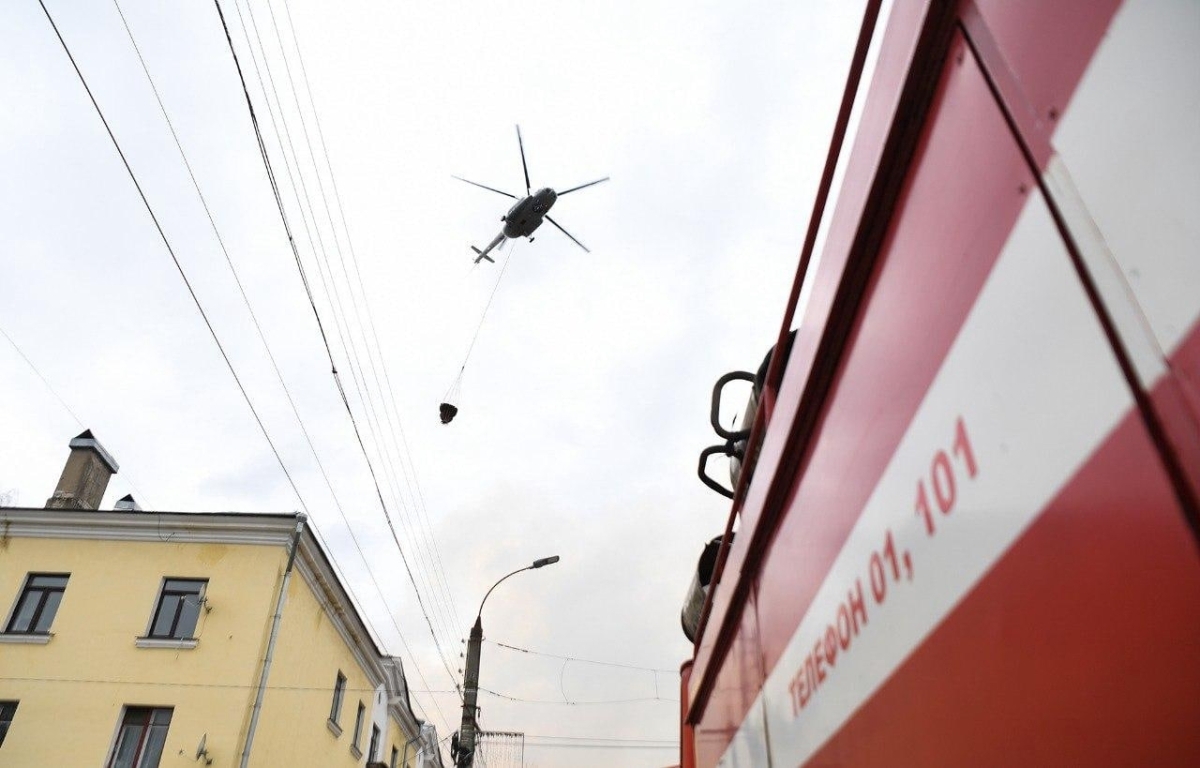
<point x="529" y="744"/>
<point x="329" y="352"/>
<point x="308" y="286"/>
<point x="581" y="703"/>
<point x="128" y="478"/>
<point x="577" y="659"/>
<point x="174" y="258"/>
<point x="262" y="337"/>
<point x="170" y="250"/>
<point x="610" y="739"/>
<point x="304" y="219"/>
<point x="358" y="374"/>
<point x="437" y="567"/>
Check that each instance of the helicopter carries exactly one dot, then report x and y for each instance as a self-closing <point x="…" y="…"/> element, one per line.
<point x="527" y="214"/>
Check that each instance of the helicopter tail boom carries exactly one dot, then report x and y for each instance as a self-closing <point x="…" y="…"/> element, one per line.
<point x="500" y="238"/>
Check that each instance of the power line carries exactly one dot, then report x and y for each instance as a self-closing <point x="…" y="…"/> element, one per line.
<point x="574" y="703"/>
<point x="38" y="373"/>
<point x="171" y="251"/>
<point x="63" y="403"/>
<point x="370" y="316"/>
<point x="564" y="703"/>
<point x="580" y="660"/>
<point x="308" y="290"/>
<point x="357" y="373"/>
<point x="175" y="259"/>
<point x="600" y="746"/>
<point x="610" y="739"/>
<point x="347" y="338"/>
<point x="261" y="334"/>
<point x="329" y="353"/>
<point x="436" y="567"/>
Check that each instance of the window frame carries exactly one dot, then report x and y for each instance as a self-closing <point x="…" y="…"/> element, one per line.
<point x="359" y="719"/>
<point x="139" y="755"/>
<point x="395" y="757"/>
<point x="8" y="713"/>
<point x="201" y="597"/>
<point x="339" y="698"/>
<point x="28" y="587"/>
<point x="374" y="744"/>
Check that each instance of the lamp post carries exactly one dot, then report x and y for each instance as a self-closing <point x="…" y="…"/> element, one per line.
<point x="468" y="732"/>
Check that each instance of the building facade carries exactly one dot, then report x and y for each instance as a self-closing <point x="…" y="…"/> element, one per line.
<point x="136" y="639"/>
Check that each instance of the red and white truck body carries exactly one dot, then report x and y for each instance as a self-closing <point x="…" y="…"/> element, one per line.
<point x="971" y="533"/>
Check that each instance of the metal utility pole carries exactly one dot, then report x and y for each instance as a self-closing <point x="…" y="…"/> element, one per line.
<point x="468" y="732"/>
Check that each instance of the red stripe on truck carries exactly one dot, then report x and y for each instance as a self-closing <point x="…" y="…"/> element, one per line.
<point x="1078" y="648"/>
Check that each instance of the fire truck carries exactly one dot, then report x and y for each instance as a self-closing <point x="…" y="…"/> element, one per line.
<point x="965" y="524"/>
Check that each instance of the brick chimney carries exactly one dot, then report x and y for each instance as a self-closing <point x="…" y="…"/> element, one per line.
<point x="86" y="475"/>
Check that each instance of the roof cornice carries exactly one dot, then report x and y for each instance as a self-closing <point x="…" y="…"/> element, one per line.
<point x="201" y="528"/>
<point x="317" y="570"/>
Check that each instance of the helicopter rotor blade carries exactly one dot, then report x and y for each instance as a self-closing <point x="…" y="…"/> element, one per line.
<point x="524" y="167"/>
<point x="581" y="186"/>
<point x="484" y="186"/>
<point x="568" y="234"/>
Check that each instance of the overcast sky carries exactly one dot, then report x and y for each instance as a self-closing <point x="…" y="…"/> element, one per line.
<point x="584" y="402"/>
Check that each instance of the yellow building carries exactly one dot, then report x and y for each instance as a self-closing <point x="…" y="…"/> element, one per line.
<point x="137" y="639"/>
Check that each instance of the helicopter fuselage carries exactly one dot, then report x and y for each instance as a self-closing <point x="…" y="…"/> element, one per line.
<point x="528" y="213"/>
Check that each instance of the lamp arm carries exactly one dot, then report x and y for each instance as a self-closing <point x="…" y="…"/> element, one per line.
<point x="489" y="592"/>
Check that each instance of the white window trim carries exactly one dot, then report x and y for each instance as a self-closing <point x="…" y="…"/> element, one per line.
<point x="186" y="644"/>
<point x="15" y="638"/>
<point x="333" y="727"/>
<point x="360" y="720"/>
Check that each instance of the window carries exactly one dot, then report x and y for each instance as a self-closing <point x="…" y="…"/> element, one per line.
<point x="395" y="758"/>
<point x="141" y="737"/>
<point x="358" y="724"/>
<point x="373" y="750"/>
<point x="8" y="709"/>
<point x="37" y="604"/>
<point x="178" y="609"/>
<point x="339" y="691"/>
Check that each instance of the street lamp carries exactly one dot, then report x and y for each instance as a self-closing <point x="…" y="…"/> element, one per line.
<point x="467" y="732"/>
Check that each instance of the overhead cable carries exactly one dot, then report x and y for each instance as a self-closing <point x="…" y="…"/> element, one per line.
<point x="370" y="315"/>
<point x="170" y="250"/>
<point x="261" y="335"/>
<point x="328" y="350"/>
<point x="439" y="579"/>
<point x="357" y="373"/>
<point x="63" y="403"/>
<point x="341" y="318"/>
<point x="580" y="660"/>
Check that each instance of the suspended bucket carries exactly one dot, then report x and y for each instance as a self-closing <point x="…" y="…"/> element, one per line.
<point x="447" y="412"/>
